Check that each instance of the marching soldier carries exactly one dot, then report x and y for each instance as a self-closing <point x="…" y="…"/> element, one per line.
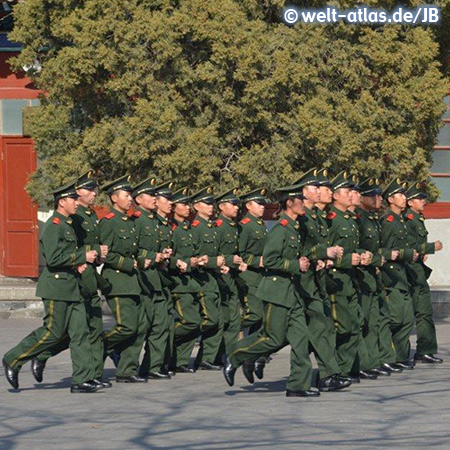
<point x="120" y="270"/>
<point x="394" y="237"/>
<point x="227" y="239"/>
<point x="419" y="273"/>
<point x="284" y="320"/>
<point x="65" y="310"/>
<point x="84" y="222"/>
<point x="204" y="235"/>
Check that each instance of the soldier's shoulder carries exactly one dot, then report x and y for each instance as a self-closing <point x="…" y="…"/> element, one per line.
<point x="108" y="216"/>
<point x="245" y="221"/>
<point x="195" y="223"/>
<point x="218" y="223"/>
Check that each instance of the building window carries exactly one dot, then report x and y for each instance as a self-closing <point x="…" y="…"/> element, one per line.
<point x="11" y="115"/>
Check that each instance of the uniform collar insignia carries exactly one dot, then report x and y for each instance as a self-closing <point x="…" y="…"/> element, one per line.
<point x="69" y="221"/>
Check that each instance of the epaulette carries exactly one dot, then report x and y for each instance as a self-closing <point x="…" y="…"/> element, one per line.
<point x="174" y="226"/>
<point x="245" y="221"/>
<point x="56" y="220"/>
<point x="284" y="222"/>
<point x="195" y="223"/>
<point x="137" y="214"/>
<point x="390" y="218"/>
<point x="219" y="222"/>
<point x="331" y="215"/>
<point x="410" y="216"/>
<point x="109" y="215"/>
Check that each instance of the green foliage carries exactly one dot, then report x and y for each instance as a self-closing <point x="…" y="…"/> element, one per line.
<point x="224" y="93"/>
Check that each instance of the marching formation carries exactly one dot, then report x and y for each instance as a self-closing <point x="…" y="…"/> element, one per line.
<point x="339" y="275"/>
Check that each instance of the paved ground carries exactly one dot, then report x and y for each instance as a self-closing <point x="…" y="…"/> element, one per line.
<point x="201" y="412"/>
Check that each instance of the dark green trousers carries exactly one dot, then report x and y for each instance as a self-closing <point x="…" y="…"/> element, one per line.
<point x="423" y="312"/>
<point x="253" y="309"/>
<point x="61" y="319"/>
<point x="402" y="321"/>
<point x="346" y="317"/>
<point x="211" y="327"/>
<point x="158" y="333"/>
<point x="368" y="350"/>
<point x="385" y="345"/>
<point x="281" y="326"/>
<point x="127" y="335"/>
<point x="187" y="326"/>
<point x="322" y="337"/>
<point x="96" y="337"/>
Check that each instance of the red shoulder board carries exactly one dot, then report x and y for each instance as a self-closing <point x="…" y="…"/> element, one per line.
<point x="109" y="215"/>
<point x="390" y="218"/>
<point x="284" y="222"/>
<point x="174" y="226"/>
<point x="219" y="222"/>
<point x="331" y="215"/>
<point x="358" y="215"/>
<point x="137" y="214"/>
<point x="245" y="221"/>
<point x="56" y="220"/>
<point x="195" y="223"/>
<point x="410" y="216"/>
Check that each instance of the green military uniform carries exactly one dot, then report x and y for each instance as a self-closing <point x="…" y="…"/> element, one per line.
<point x="227" y="238"/>
<point x="418" y="274"/>
<point x="204" y="236"/>
<point x="322" y="336"/>
<point x="394" y="237"/>
<point x="58" y="285"/>
<point x="284" y="319"/>
<point x="185" y="290"/>
<point x="154" y="299"/>
<point x="252" y="236"/>
<point x="117" y="231"/>
<point x="85" y="224"/>
<point x="341" y="285"/>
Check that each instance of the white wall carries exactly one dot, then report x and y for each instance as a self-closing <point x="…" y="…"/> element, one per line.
<point x="439" y="262"/>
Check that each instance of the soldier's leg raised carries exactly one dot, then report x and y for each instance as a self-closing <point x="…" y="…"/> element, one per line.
<point x="385" y="344"/>
<point x="253" y="309"/>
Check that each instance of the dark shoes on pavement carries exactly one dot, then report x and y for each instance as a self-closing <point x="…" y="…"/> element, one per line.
<point x="87" y="387"/>
<point x="427" y="359"/>
<point x="229" y="371"/>
<point x="333" y="383"/>
<point x="390" y="368"/>
<point x="309" y="393"/>
<point x="205" y="365"/>
<point x="248" y="368"/>
<point x="131" y="379"/>
<point x="11" y="375"/>
<point x="37" y="369"/>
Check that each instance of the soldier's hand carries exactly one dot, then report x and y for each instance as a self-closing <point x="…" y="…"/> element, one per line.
<point x="167" y="253"/>
<point x="415" y="256"/>
<point x="135" y="264"/>
<point x="366" y="258"/>
<point x="220" y="261"/>
<point x="91" y="256"/>
<point x="394" y="254"/>
<point x="320" y="265"/>
<point x="261" y="261"/>
<point x="103" y="251"/>
<point x="194" y="261"/>
<point x="383" y="260"/>
<point x="224" y="269"/>
<point x="356" y="259"/>
<point x="424" y="258"/>
<point x="159" y="258"/>
<point x="237" y="259"/>
<point x="303" y="263"/>
<point x="147" y="263"/>
<point x="243" y="267"/>
<point x="329" y="264"/>
<point x="438" y="246"/>
<point x="182" y="266"/>
<point x="202" y="260"/>
<point x="81" y="268"/>
<point x="339" y="251"/>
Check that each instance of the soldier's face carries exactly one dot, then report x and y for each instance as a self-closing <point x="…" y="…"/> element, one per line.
<point x="87" y="196"/>
<point x="298" y="207"/>
<point x="122" y="200"/>
<point x="370" y="202"/>
<point x="69" y="205"/>
<point x="312" y="193"/>
<point x="356" y="198"/>
<point x="344" y="197"/>
<point x="163" y="205"/>
<point x="417" y="204"/>
<point x="229" y="210"/>
<point x="378" y="201"/>
<point x="255" y="209"/>
<point x="326" y="195"/>
<point x="204" y="209"/>
<point x="147" y="201"/>
<point x="182" y="210"/>
<point x="398" y="200"/>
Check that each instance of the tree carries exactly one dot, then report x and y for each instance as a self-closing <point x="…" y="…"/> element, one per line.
<point x="224" y="93"/>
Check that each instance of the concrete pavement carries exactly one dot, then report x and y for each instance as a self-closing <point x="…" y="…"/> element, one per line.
<point x="199" y="411"/>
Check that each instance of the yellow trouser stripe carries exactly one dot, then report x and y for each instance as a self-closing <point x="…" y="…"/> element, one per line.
<point x="269" y="312"/>
<point x="333" y="310"/>
<point x="244" y="349"/>
<point x="204" y="310"/>
<point x="118" y="326"/>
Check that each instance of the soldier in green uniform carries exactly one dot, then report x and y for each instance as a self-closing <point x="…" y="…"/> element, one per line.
<point x="84" y="221"/>
<point x="185" y="290"/>
<point x="394" y="237"/>
<point x="152" y="261"/>
<point x="377" y="335"/>
<point x="120" y="270"/>
<point x="322" y="336"/>
<point x="284" y="320"/>
<point x="419" y="273"/>
<point x="204" y="235"/>
<point x="227" y="238"/>
<point x="65" y="310"/>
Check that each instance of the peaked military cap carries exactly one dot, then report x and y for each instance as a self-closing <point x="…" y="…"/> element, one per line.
<point x="205" y="196"/>
<point x="66" y="191"/>
<point x="341" y="180"/>
<point x="308" y="178"/>
<point x="181" y="196"/>
<point x="370" y="187"/>
<point x="416" y="190"/>
<point x="165" y="189"/>
<point x="258" y="195"/>
<point x="86" y="181"/>
<point x="291" y="191"/>
<point x="146" y="187"/>
<point x="122" y="184"/>
<point x="229" y="196"/>
<point x="394" y="187"/>
<point x="322" y="178"/>
<point x="354" y="180"/>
